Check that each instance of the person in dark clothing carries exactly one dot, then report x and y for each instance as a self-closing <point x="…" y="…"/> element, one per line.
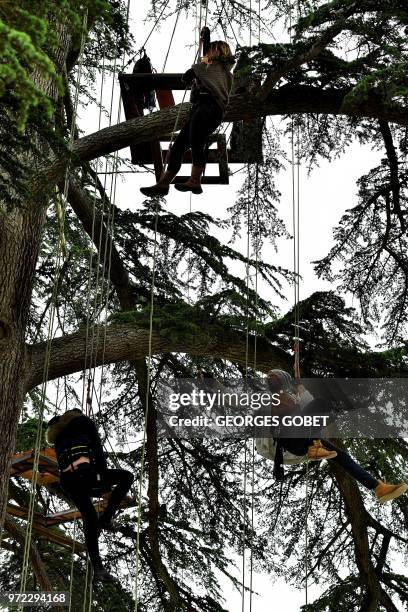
<point x="315" y="448"/>
<point x="211" y="82"/>
<point x="84" y="473"/>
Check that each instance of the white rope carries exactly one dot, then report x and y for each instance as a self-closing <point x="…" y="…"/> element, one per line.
<point x="147" y="399"/>
<point x="149" y="360"/>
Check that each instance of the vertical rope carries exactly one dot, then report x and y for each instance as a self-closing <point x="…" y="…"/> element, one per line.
<point x="149" y="363"/>
<point x="71" y="574"/>
<point x="307" y="532"/>
<point x="178" y="9"/>
<point x="296" y="270"/>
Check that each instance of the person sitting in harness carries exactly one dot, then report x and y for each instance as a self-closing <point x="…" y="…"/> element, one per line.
<point x="211" y="82"/>
<point x="295" y="398"/>
<point x="84" y="474"/>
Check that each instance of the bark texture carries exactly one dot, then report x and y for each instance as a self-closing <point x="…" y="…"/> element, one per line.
<point x="21" y="225"/>
<point x="128" y="342"/>
<point x="286" y="100"/>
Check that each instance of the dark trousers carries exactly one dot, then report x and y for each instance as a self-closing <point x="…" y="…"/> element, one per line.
<point x="80" y="486"/>
<point x="299" y="446"/>
<point x="205" y="117"/>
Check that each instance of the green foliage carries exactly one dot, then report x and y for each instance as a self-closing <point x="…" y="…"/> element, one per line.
<point x="202" y="505"/>
<point x="29" y="40"/>
<point x="389" y="83"/>
<point x="22" y="39"/>
<point x="27" y="435"/>
<point x="173" y="321"/>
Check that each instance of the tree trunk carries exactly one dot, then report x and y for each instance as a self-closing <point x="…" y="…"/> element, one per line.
<point x="21" y="225"/>
<point x="20" y="233"/>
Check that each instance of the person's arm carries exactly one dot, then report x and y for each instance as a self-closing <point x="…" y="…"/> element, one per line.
<point x="188" y="77"/>
<point x="205" y="40"/>
<point x="286" y="406"/>
<point x="304" y="395"/>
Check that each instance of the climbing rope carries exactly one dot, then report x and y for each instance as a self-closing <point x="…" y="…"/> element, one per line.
<point x="295" y="159"/>
<point x="147" y="399"/>
<point x="178" y="9"/>
<point x="149" y="358"/>
<point x="141" y="49"/>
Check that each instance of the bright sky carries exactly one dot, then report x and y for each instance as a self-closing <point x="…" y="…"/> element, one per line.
<point x="325" y="195"/>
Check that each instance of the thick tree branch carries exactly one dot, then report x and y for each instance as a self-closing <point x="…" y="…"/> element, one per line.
<point x="356" y="514"/>
<point x="126" y="342"/>
<point x="83" y="207"/>
<point x="286" y="100"/>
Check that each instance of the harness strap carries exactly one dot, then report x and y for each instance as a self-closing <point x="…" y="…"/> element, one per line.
<point x="69" y="455"/>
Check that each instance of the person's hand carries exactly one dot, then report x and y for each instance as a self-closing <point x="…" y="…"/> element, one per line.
<point x="205" y="31"/>
<point x="287" y="405"/>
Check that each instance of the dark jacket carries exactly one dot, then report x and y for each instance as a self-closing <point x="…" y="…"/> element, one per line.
<point x="73" y="435"/>
<point x="214" y="79"/>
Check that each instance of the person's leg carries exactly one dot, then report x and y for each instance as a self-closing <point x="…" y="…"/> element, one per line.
<point x="351" y="466"/>
<point x="76" y="485"/>
<point x="174" y="160"/>
<point x="305" y="441"/>
<point x="120" y="481"/>
<point x="204" y="121"/>
<point x="178" y="148"/>
<point x="383" y="491"/>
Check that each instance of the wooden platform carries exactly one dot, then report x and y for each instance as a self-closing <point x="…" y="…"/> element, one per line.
<point x="64" y="516"/>
<point x="152" y="153"/>
<point x="22" y="465"/>
<point x="48" y="476"/>
<point x="41" y="528"/>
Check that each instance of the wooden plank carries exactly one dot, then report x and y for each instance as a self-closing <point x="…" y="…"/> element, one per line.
<point x="143" y="151"/>
<point x="144" y="80"/>
<point x="41" y="530"/>
<point x="47" y="458"/>
<point x="22" y="512"/>
<point x="206" y="180"/>
<point x="48" y="473"/>
<point x="233" y="158"/>
<point x="222" y="159"/>
<point x="165" y="98"/>
<point x="43" y="478"/>
<point x="71" y="514"/>
<point x="57" y="538"/>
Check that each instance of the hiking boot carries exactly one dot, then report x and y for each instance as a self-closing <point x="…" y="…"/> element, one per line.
<point x="155" y="190"/>
<point x="386" y="492"/>
<point x="194" y="182"/>
<point x="317" y="452"/>
<point x="100" y="574"/>
<point x="162" y="186"/>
